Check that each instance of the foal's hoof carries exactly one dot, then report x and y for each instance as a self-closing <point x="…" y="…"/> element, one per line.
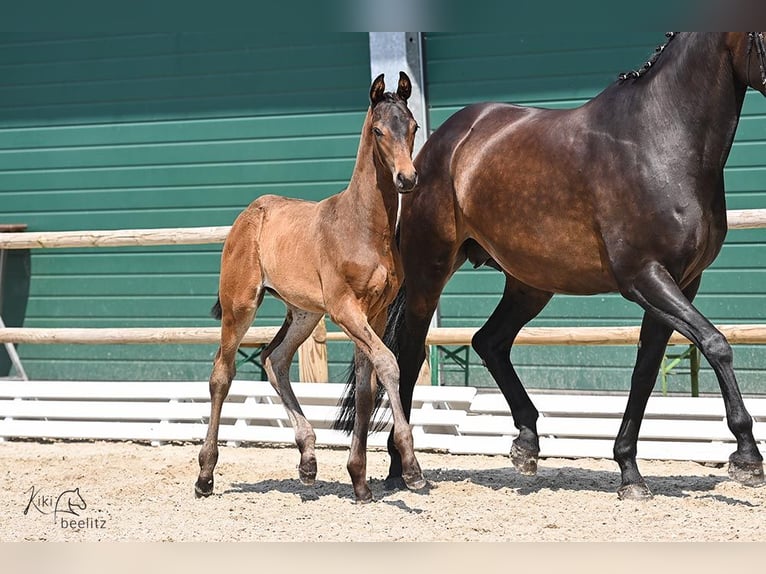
<point x="634" y="492"/>
<point x="414" y="481"/>
<point x="524" y="460"/>
<point x="365" y="497"/>
<point x="747" y="473"/>
<point x="393" y="483"/>
<point x="203" y="488"/>
<point x="307" y="472"/>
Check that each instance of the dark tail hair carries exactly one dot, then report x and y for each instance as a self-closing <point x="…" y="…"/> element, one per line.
<point x="347" y="403"/>
<point x="215" y="310"/>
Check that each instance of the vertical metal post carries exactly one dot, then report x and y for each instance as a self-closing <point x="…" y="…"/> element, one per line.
<point x="10" y="349"/>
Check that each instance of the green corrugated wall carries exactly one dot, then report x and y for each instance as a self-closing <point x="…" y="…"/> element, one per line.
<point x="564" y="70"/>
<point x="160" y="130"/>
<point x="179" y="130"/>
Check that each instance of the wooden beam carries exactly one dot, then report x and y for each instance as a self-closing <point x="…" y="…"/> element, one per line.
<point x="737" y="219"/>
<point x="114" y="238"/>
<point x="736" y="334"/>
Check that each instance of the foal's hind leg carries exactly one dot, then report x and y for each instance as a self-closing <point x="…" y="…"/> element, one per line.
<point x="235" y="320"/>
<point x="656" y="291"/>
<point x="277" y="357"/>
<point x="519" y="305"/>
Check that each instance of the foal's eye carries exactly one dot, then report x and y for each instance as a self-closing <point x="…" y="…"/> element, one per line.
<point x="417" y="127"/>
<point x="377" y="132"/>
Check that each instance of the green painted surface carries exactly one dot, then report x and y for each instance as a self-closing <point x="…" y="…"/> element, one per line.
<point x="160" y="130"/>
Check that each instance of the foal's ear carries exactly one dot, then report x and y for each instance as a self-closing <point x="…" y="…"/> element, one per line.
<point x="377" y="90"/>
<point x="405" y="87"/>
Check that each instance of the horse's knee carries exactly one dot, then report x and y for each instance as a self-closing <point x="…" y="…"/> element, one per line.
<point x="387" y="371"/>
<point x="717" y="349"/>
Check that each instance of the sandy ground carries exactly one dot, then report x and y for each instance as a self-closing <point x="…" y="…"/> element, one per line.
<point x="136" y="492"/>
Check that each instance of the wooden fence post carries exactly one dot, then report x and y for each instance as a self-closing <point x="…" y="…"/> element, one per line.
<point x="312" y="356"/>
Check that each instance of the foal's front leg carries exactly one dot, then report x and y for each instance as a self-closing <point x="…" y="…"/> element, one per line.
<point x="355" y="324"/>
<point x="357" y="458"/>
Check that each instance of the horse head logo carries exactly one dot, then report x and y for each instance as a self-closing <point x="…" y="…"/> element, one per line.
<point x="68" y="501"/>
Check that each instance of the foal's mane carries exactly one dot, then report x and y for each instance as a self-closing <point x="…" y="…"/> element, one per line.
<point x="392" y="98"/>
<point x="635" y="74"/>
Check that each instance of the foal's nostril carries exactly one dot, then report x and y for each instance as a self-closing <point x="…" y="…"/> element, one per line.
<point x="405" y="183"/>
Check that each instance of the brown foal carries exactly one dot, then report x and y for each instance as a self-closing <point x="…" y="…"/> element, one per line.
<point x="337" y="256"/>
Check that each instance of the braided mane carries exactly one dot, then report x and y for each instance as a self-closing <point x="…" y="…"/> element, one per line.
<point x="634" y="74"/>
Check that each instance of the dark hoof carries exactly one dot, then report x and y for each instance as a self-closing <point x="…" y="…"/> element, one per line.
<point x="203" y="488"/>
<point x="524" y="460"/>
<point x="365" y="498"/>
<point x="393" y="483"/>
<point x="747" y="473"/>
<point x="414" y="482"/>
<point x="634" y="492"/>
<point x="308" y="472"/>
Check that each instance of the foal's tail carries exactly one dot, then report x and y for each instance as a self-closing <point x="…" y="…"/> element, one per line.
<point x="347" y="404"/>
<point x="215" y="310"/>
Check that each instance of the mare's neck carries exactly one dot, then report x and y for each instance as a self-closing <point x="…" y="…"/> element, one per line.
<point x="371" y="193"/>
<point x="689" y="97"/>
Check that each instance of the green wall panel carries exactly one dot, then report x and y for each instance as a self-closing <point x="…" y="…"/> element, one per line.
<point x="160" y="130"/>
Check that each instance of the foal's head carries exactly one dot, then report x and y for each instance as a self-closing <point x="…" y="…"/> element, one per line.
<point x="393" y="131"/>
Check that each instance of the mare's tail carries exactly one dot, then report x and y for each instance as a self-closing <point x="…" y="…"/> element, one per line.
<point x="215" y="310"/>
<point x="347" y="404"/>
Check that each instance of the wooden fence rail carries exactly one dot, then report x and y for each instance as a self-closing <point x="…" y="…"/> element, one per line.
<point x="737" y="219"/>
<point x="603" y="336"/>
<point x="314" y="349"/>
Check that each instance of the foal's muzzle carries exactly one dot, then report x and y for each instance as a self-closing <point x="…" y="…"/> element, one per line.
<point x="406" y="183"/>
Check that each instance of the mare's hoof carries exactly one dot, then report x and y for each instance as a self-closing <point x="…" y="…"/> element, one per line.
<point x="634" y="492"/>
<point x="415" y="481"/>
<point x="524" y="460"/>
<point x="203" y="488"/>
<point x="307" y="472"/>
<point x="747" y="473"/>
<point x="394" y="483"/>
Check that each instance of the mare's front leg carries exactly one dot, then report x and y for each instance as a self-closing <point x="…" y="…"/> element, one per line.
<point x="651" y="348"/>
<point x="277" y="358"/>
<point x="656" y="291"/>
<point x="519" y="305"/>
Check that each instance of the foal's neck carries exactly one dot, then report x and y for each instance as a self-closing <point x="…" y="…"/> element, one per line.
<point x="371" y="192"/>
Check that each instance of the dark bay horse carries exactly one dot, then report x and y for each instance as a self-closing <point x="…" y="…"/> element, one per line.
<point x="623" y="194"/>
<point x="337" y="256"/>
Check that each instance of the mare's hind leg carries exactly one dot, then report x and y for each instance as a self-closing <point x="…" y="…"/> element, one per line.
<point x="236" y="318"/>
<point x="656" y="291"/>
<point x="519" y="305"/>
<point x="277" y="358"/>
